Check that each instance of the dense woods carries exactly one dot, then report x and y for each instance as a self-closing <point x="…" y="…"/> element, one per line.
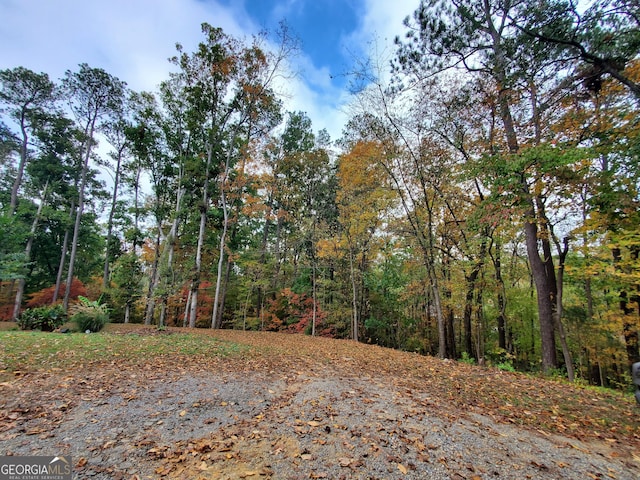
<point x="482" y="203"/>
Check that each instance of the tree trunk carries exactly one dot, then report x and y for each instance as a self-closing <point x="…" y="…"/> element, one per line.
<point x="502" y="317"/>
<point x="223" y="293"/>
<point x="278" y="254"/>
<point x="568" y="360"/>
<point x="354" y="298"/>
<point x="544" y="295"/>
<point x="314" y="294"/>
<point x="170" y="243"/>
<point x="470" y="297"/>
<point x="153" y="283"/>
<point x="629" y="329"/>
<point x="136" y="206"/>
<point x="471" y="280"/>
<point x="544" y="286"/>
<point x="204" y="208"/>
<point x="27" y="254"/>
<point x="79" y="211"/>
<point x="185" y="321"/>
<point x="263" y="251"/>
<point x="114" y="199"/>
<point x="63" y="257"/>
<point x="23" y="161"/>
<point x="480" y="346"/>
<point x="223" y="235"/>
<point x="538" y="267"/>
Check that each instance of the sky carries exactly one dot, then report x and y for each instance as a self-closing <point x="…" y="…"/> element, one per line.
<point x="132" y="40"/>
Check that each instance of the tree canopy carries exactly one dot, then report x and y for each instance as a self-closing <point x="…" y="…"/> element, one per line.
<point x="482" y="204"/>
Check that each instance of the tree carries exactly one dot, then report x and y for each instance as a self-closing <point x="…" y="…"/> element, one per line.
<point x="207" y="76"/>
<point x="53" y="141"/>
<point x="259" y="112"/>
<point x="605" y="37"/>
<point x="93" y="95"/>
<point x="607" y="122"/>
<point x="27" y="96"/>
<point x="157" y="142"/>
<point x="27" y="254"/>
<point x="227" y="96"/>
<point x="127" y="287"/>
<point x="418" y="165"/>
<point x="306" y="186"/>
<point x="481" y="38"/>
<point x="115" y="132"/>
<point x="362" y="200"/>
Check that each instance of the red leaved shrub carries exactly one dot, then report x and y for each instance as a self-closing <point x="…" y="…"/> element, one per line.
<point x="45" y="296"/>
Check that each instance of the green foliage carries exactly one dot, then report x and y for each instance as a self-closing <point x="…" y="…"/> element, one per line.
<point x="468" y="359"/>
<point x="46" y="318"/>
<point x="414" y="343"/>
<point x="89" y="315"/>
<point x="312" y="233"/>
<point x="126" y="281"/>
<point x="506" y="367"/>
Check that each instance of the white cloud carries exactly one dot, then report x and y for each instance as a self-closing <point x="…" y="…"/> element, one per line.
<point x="381" y="22"/>
<point x="131" y="40"/>
<point x="324" y="108"/>
<point x="384" y="19"/>
<point x="134" y="39"/>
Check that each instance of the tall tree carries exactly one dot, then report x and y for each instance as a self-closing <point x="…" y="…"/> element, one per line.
<point x="208" y="75"/>
<point x="27" y="96"/>
<point x="93" y="95"/>
<point x="306" y="197"/>
<point x="258" y="113"/>
<point x="150" y="136"/>
<point x="115" y="132"/>
<point x="480" y="37"/>
<point x="227" y="98"/>
<point x="27" y="254"/>
<point x="604" y="36"/>
<point x="363" y="199"/>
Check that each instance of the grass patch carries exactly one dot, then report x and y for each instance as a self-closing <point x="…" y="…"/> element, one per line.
<point x="41" y="351"/>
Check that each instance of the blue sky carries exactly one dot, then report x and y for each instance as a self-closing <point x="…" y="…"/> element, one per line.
<point x="322" y="26"/>
<point x="132" y="39"/>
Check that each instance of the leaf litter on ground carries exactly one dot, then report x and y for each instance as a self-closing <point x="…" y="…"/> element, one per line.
<point x="233" y="404"/>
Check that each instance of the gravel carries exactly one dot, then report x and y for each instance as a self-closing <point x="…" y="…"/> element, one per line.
<point x="317" y="423"/>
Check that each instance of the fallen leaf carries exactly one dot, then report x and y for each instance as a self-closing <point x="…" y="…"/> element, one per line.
<point x="402" y="468"/>
<point x="183" y="413"/>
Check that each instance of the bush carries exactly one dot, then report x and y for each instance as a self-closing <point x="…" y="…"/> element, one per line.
<point x="468" y="359"/>
<point x="89" y="315"/>
<point x="506" y="366"/>
<point x="46" y="318"/>
<point x="44" y="297"/>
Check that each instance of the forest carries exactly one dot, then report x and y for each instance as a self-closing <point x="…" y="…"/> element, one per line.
<point x="482" y="203"/>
